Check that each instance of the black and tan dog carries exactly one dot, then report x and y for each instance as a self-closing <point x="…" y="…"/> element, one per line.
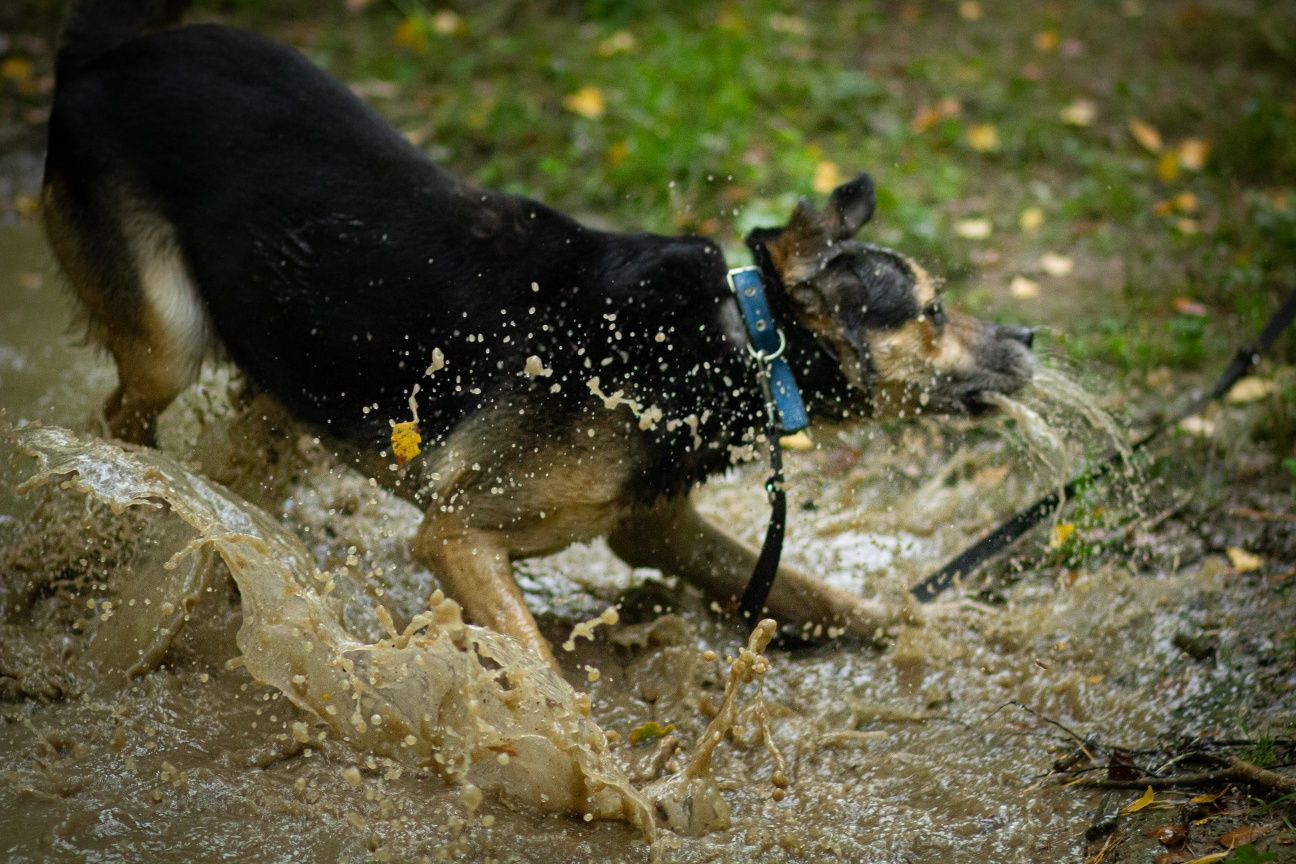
<point x="207" y="189"/>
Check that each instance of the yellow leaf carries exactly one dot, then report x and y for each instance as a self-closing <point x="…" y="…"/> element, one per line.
<point x="973" y="229"/>
<point x="1185" y="202"/>
<point x="1023" y="288"/>
<point x="1046" y="41"/>
<point x="412" y="33"/>
<point x="1208" y="799"/>
<point x="1167" y="166"/>
<point x="1144" y="800"/>
<point x="970" y="10"/>
<point x="827" y="177"/>
<point x="1081" y="112"/>
<point x="1187" y="226"/>
<point x="1062" y="532"/>
<point x="587" y="102"/>
<point x="620" y="42"/>
<point x="1252" y="388"/>
<point x="16" y="69"/>
<point x="1193" y="153"/>
<point x="617" y="153"/>
<point x="405" y="440"/>
<point x="1242" y="560"/>
<point x="1145" y="134"/>
<point x="648" y="731"/>
<point x="983" y="137"/>
<point x="1031" y="219"/>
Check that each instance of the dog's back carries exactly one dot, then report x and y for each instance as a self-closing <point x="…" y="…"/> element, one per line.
<point x="206" y="186"/>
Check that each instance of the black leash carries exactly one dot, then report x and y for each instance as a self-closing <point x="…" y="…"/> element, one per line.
<point x="784" y="414"/>
<point x="1012" y="530"/>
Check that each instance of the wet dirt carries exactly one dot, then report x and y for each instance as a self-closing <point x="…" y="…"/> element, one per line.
<point x="904" y="754"/>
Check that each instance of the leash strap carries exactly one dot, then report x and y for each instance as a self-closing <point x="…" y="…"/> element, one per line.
<point x="1012" y="530"/>
<point x="784" y="414"/>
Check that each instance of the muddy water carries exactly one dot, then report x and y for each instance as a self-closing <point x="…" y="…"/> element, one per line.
<point x="890" y="756"/>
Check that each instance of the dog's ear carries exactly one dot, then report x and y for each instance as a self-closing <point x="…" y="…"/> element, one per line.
<point x="849" y="207"/>
<point x="801" y="248"/>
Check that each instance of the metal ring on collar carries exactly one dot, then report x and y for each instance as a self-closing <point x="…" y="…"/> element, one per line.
<point x="769" y="358"/>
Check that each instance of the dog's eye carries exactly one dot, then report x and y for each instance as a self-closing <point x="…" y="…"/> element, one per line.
<point x="935" y="313"/>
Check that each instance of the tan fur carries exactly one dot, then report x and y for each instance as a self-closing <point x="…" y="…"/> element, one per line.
<point x="142" y="306"/>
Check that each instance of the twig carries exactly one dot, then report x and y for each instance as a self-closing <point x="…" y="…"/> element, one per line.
<point x="1102" y="853"/>
<point x="1261" y="515"/>
<point x="1234" y="770"/>
<point x="1084" y="743"/>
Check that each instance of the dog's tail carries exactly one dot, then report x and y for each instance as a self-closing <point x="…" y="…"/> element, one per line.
<point x="97" y="26"/>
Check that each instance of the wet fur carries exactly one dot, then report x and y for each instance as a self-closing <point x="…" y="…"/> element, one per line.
<point x="208" y="190"/>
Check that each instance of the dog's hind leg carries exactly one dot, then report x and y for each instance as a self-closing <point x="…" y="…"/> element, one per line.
<point x="127" y="269"/>
<point x="474" y="568"/>
<point x="675" y="538"/>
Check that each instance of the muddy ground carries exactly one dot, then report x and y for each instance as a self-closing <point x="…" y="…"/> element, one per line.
<point x="1145" y="636"/>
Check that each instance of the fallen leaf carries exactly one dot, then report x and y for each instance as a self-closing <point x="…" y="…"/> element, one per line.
<point x="588" y="102"/>
<point x="17" y="70"/>
<point x="789" y="24"/>
<point x="1187" y="226"/>
<point x="973" y="229"/>
<point x="1193" y="153"/>
<point x="1046" y="41"/>
<point x="1062" y="532"/>
<point x="1145" y="134"/>
<point x="1139" y="803"/>
<point x="617" y="153"/>
<point x="405" y="440"/>
<point x="1188" y="306"/>
<point x="1185" y="202"/>
<point x="648" y="731"/>
<point x="1031" y="219"/>
<point x="827" y="177"/>
<point x="1208" y="859"/>
<point x="1208" y="799"/>
<point x="970" y="10"/>
<point x="1167" y="166"/>
<point x="1023" y="288"/>
<point x="983" y="137"/>
<point x="1056" y="265"/>
<point x="448" y="23"/>
<point x="1252" y="388"/>
<point x="412" y="33"/>
<point x="1199" y="427"/>
<point x="1081" y="112"/>
<point x="1245" y="834"/>
<point x="1242" y="560"/>
<point x="620" y="42"/>
<point x="1173" y="834"/>
<point x="988" y="478"/>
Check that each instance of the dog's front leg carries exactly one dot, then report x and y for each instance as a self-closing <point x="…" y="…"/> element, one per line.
<point x="474" y="568"/>
<point x="675" y="538"/>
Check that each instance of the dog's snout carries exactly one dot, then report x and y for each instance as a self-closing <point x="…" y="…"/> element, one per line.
<point x="1024" y="335"/>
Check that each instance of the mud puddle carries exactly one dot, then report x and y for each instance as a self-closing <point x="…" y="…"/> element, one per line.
<point x="887" y="756"/>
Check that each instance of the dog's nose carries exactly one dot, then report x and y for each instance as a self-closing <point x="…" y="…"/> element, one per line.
<point x="1024" y="335"/>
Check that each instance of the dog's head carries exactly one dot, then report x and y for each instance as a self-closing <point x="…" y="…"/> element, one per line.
<point x="880" y="315"/>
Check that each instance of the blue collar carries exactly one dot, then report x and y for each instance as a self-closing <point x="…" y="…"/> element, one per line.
<point x="767" y="346"/>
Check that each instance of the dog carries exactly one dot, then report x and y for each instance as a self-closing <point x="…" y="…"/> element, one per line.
<point x="209" y="192"/>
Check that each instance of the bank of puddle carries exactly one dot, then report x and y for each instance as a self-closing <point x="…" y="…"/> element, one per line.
<point x="189" y="676"/>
